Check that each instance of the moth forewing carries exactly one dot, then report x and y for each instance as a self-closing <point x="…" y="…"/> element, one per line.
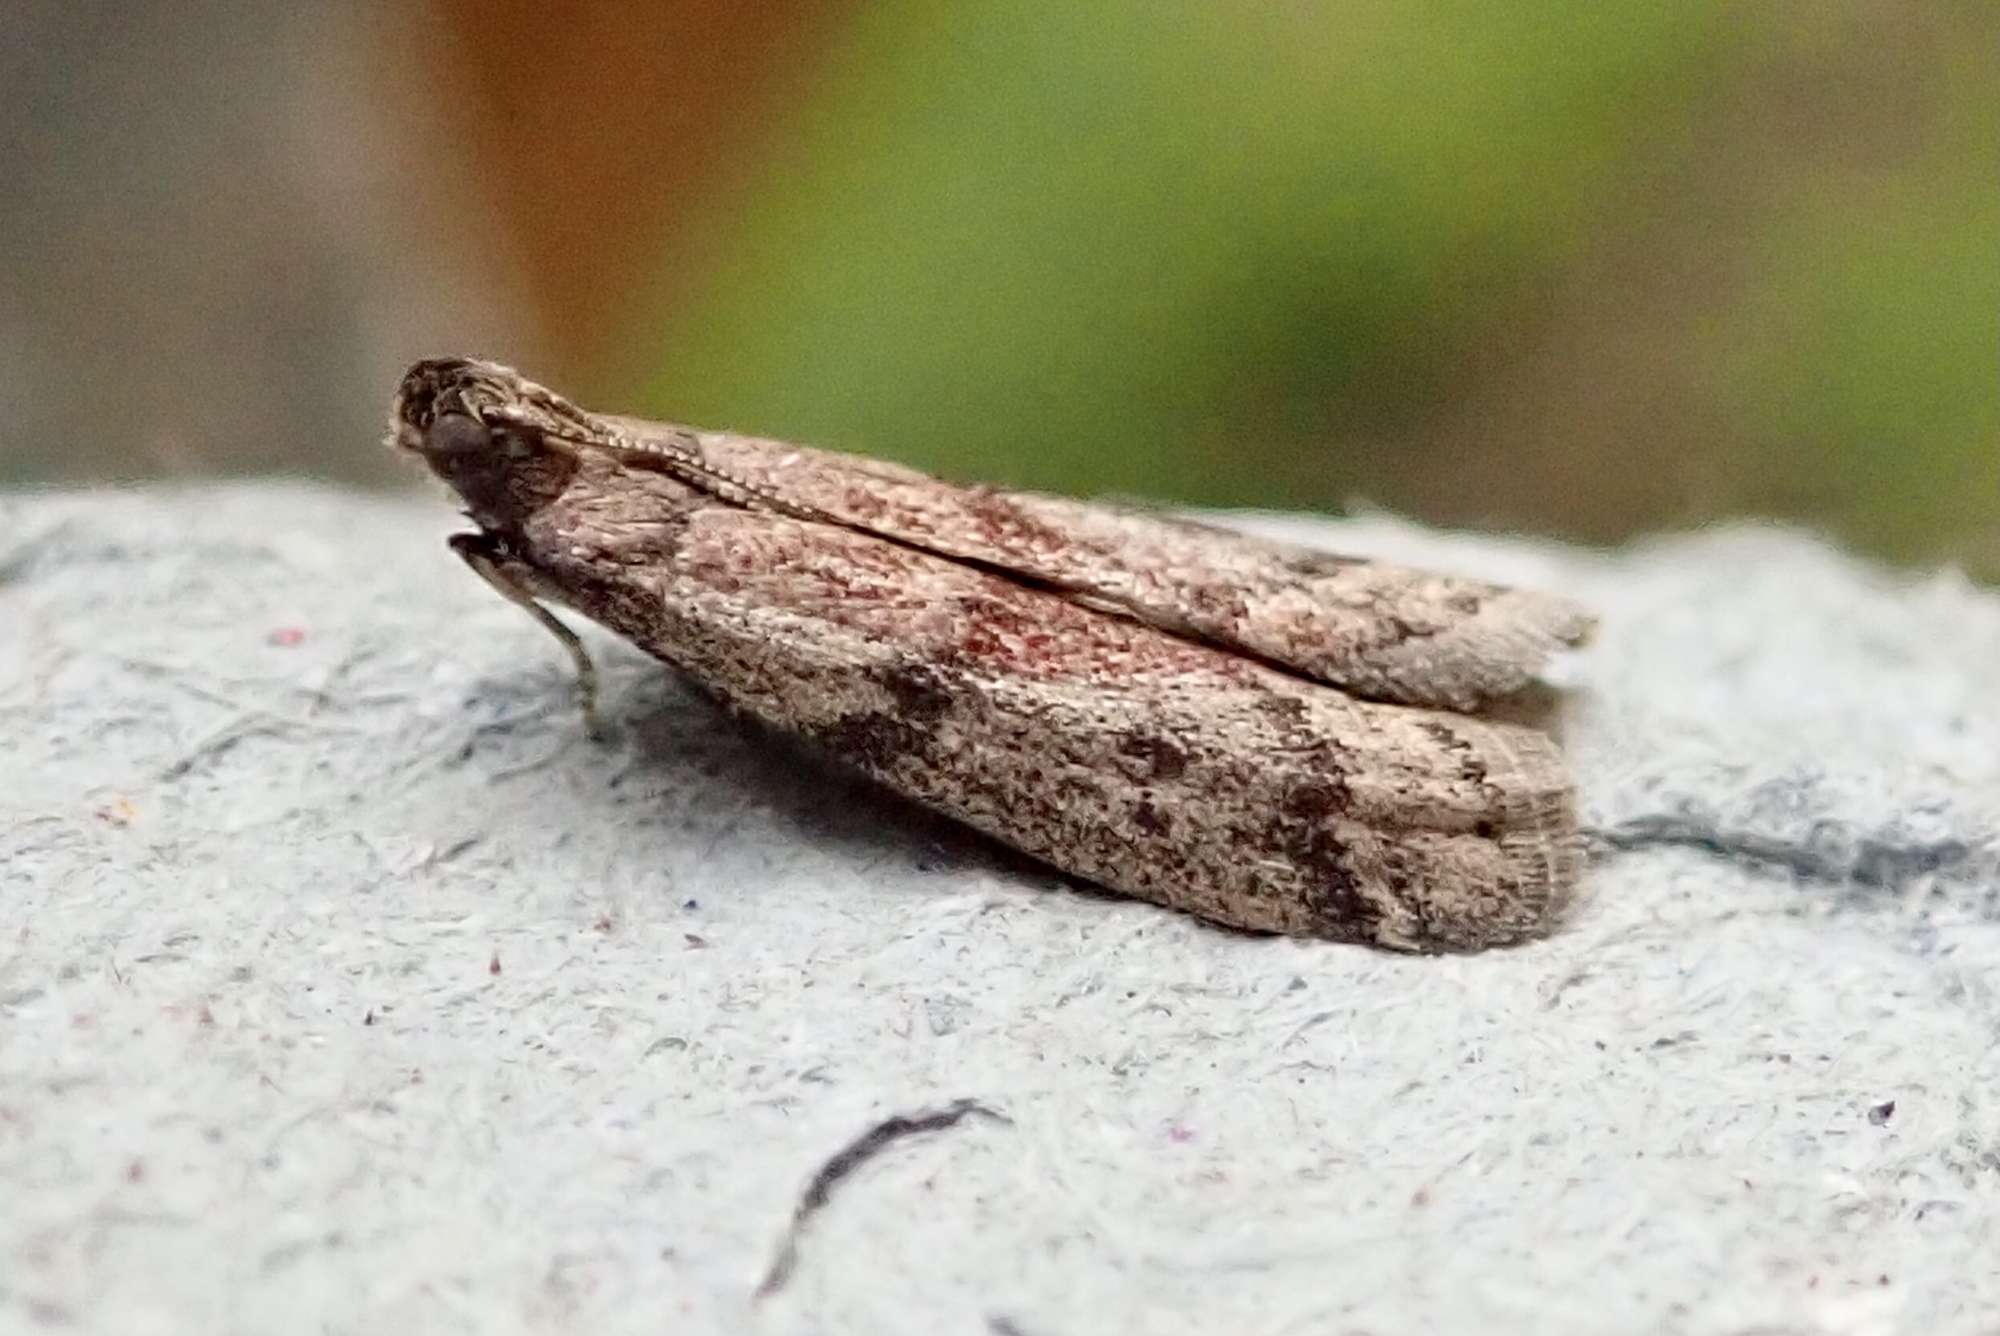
<point x="1165" y="769"/>
<point x="1380" y="631"/>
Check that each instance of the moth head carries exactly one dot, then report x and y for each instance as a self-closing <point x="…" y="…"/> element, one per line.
<point x="505" y="444"/>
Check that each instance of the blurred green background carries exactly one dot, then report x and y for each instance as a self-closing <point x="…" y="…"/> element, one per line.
<point x="1583" y="267"/>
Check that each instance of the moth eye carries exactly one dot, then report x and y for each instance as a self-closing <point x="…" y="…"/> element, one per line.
<point x="456" y="434"/>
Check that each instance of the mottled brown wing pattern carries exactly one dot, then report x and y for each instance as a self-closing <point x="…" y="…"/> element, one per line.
<point x="1379" y="631"/>
<point x="1146" y="762"/>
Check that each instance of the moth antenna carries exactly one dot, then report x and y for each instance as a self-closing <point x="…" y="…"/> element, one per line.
<point x="685" y="463"/>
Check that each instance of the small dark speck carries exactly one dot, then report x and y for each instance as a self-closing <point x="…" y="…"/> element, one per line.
<point x="695" y="940"/>
<point x="458" y="847"/>
<point x="369" y="1018"/>
<point x="493" y="965"/>
<point x="690" y="904"/>
<point x="1879" y="1115"/>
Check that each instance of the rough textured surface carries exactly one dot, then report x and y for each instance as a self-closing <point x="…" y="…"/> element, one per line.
<point x="344" y="984"/>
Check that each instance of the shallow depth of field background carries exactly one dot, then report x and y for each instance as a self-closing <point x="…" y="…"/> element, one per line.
<point x="1584" y="267"/>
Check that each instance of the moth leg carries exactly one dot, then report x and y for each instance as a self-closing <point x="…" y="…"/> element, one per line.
<point x="476" y="550"/>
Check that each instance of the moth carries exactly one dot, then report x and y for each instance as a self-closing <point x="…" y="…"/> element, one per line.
<point x="1270" y="737"/>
